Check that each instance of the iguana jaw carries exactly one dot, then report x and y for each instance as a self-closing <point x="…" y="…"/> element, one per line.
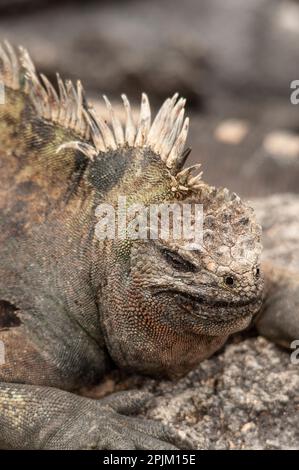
<point x="228" y="317"/>
<point x="167" y="335"/>
<point x="209" y="315"/>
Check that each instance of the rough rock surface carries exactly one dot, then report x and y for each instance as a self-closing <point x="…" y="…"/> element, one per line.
<point x="245" y="397"/>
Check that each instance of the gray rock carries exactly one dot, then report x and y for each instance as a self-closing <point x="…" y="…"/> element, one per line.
<point x="245" y="397"/>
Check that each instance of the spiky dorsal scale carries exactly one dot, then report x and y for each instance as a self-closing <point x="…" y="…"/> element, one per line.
<point x="30" y="136"/>
<point x="70" y="115"/>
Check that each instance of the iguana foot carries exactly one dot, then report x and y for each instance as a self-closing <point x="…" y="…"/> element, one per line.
<point x="106" y="424"/>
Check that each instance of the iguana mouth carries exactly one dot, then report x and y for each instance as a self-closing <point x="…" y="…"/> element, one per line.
<point x="200" y="300"/>
<point x="194" y="300"/>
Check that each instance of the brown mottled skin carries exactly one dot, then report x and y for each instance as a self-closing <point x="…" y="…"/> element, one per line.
<point x="72" y="306"/>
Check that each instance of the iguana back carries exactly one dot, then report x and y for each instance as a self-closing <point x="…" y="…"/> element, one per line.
<point x="45" y="205"/>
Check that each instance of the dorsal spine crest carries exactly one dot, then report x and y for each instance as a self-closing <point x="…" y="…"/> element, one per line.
<point x="166" y="135"/>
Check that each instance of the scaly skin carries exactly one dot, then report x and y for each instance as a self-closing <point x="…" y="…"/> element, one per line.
<point x="71" y="304"/>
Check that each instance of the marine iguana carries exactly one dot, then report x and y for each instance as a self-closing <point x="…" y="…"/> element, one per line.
<point x="73" y="306"/>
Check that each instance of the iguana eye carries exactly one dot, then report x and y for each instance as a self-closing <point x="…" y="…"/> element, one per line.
<point x="177" y="261"/>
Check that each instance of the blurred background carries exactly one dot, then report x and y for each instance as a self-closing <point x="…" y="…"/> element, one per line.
<point x="233" y="60"/>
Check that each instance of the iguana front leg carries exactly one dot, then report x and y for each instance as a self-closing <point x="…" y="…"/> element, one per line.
<point x="33" y="417"/>
<point x="279" y="317"/>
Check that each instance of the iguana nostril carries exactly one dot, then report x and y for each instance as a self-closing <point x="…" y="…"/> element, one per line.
<point x="257" y="272"/>
<point x="229" y="281"/>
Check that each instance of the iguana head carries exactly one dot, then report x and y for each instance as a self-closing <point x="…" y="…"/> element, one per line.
<point x="165" y="306"/>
